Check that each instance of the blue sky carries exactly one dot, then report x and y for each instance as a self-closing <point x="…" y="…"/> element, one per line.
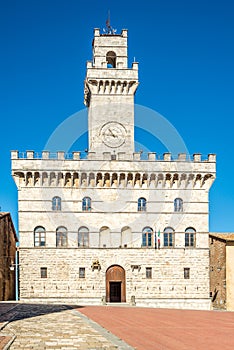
<point x="185" y="51"/>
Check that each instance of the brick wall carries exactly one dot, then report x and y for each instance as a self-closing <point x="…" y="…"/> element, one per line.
<point x="218" y="272"/>
<point x="7" y="257"/>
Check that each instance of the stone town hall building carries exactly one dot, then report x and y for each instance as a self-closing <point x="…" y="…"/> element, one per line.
<point x="89" y="228"/>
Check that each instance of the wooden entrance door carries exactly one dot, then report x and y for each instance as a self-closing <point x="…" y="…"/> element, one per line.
<point x="115" y="292"/>
<point x="115" y="284"/>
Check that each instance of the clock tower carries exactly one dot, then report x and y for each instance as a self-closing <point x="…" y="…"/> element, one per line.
<point x="109" y="92"/>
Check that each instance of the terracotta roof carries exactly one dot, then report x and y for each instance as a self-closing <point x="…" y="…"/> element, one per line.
<point x="3" y="213"/>
<point x="227" y="236"/>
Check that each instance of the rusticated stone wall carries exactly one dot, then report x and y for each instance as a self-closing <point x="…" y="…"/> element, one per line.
<point x="167" y="284"/>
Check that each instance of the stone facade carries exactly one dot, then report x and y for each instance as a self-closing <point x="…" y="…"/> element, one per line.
<point x="166" y="288"/>
<point x="114" y="226"/>
<point x="221" y="271"/>
<point x="8" y="240"/>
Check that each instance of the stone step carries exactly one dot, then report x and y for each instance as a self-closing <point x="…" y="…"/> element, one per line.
<point x="118" y="304"/>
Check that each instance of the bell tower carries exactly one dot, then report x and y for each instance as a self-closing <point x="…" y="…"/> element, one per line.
<point x="109" y="92"/>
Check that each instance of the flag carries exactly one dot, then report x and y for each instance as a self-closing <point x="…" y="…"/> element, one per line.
<point x="158" y="239"/>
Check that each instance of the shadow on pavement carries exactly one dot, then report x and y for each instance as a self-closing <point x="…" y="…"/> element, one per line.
<point x="18" y="311"/>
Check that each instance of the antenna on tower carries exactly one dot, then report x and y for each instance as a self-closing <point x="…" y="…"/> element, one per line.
<point x="109" y="29"/>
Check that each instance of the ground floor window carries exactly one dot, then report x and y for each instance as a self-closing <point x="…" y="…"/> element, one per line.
<point x="43" y="272"/>
<point x="148" y="272"/>
<point x="82" y="272"/>
<point x="186" y="273"/>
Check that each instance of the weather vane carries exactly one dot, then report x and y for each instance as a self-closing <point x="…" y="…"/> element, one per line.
<point x="109" y="29"/>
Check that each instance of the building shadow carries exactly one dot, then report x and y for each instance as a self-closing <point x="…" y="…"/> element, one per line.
<point x="18" y="311"/>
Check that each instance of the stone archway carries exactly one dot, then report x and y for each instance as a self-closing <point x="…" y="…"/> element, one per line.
<point x="115" y="284"/>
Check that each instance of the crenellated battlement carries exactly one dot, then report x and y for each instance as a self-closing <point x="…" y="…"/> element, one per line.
<point x="136" y="156"/>
<point x="151" y="171"/>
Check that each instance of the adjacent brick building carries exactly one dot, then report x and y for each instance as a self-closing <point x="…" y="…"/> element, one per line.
<point x="8" y="240"/>
<point x="222" y="271"/>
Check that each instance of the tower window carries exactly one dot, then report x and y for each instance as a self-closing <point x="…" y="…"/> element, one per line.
<point x="178" y="205"/>
<point x="39" y="236"/>
<point x="86" y="204"/>
<point x="147" y="237"/>
<point x="56" y="203"/>
<point x="111" y="59"/>
<point x="141" y="205"/>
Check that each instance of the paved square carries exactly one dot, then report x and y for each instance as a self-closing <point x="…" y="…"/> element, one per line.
<point x="40" y="326"/>
<point x="164" y="329"/>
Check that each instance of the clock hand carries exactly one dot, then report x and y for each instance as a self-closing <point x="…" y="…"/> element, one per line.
<point x="112" y="133"/>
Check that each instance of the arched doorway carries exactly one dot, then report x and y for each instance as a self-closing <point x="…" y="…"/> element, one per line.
<point x="115" y="284"/>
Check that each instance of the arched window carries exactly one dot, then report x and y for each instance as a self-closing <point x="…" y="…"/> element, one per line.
<point x="56" y="203"/>
<point x="126" y="237"/>
<point x="86" y="204"/>
<point x="39" y="236"/>
<point x="178" y="204"/>
<point x="83" y="237"/>
<point x="104" y="237"/>
<point x="61" y="237"/>
<point x="111" y="59"/>
<point x="147" y="236"/>
<point x="168" y="237"/>
<point x="189" y="238"/>
<point x="141" y="204"/>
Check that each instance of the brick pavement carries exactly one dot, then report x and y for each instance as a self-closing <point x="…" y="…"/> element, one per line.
<point x="57" y="327"/>
<point x="4" y="340"/>
<point x="164" y="329"/>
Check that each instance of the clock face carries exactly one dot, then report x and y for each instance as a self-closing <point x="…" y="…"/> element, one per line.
<point x="113" y="134"/>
